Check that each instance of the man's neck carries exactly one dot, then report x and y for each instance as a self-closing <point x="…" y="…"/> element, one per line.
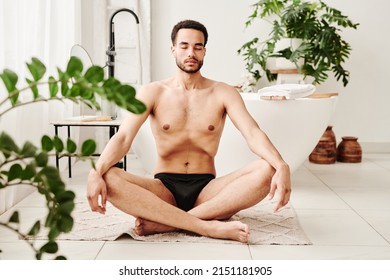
<point x="189" y="81"/>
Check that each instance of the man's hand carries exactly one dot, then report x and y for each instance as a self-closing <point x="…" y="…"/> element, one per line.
<point x="96" y="188"/>
<point x="282" y="183"/>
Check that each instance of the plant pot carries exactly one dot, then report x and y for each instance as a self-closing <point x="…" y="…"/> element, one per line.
<point x="349" y="150"/>
<point x="325" y="150"/>
<point x="293" y="44"/>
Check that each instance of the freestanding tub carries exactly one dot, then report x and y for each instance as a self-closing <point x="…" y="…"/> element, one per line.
<point x="294" y="126"/>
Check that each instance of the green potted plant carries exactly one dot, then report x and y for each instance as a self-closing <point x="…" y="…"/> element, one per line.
<point x="314" y="25"/>
<point x="29" y="165"/>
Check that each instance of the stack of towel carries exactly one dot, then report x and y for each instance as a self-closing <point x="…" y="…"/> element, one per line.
<point x="287" y="91"/>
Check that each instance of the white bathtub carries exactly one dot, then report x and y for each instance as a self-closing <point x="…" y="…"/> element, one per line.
<point x="294" y="127"/>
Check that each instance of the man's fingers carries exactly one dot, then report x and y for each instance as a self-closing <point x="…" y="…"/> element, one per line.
<point x="94" y="205"/>
<point x="103" y="200"/>
<point x="280" y="204"/>
<point x="283" y="200"/>
<point x="272" y="191"/>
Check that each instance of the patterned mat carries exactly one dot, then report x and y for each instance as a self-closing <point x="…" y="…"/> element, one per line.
<point x="266" y="227"/>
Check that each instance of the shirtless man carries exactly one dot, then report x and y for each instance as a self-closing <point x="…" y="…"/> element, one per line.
<point x="187" y="114"/>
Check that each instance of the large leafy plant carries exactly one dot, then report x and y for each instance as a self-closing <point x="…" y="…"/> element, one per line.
<point x="318" y="28"/>
<point x="29" y="164"/>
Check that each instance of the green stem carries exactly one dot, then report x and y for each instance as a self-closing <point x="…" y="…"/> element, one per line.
<point x="29" y="102"/>
<point x="42" y="100"/>
<point x="21" y="236"/>
<point x="15" y="92"/>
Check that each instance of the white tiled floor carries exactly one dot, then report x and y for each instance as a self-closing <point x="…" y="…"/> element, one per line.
<point x="343" y="208"/>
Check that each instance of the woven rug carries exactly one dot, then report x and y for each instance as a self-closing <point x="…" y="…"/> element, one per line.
<point x="266" y="227"/>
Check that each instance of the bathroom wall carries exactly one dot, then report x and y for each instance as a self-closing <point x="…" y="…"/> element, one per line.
<point x="363" y="108"/>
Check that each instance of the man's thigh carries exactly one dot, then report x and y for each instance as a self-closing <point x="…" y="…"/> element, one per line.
<point x="216" y="185"/>
<point x="153" y="185"/>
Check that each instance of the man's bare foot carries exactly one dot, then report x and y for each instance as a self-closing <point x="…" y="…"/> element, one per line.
<point x="145" y="227"/>
<point x="234" y="230"/>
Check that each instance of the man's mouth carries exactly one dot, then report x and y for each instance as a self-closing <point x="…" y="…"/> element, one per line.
<point x="191" y="61"/>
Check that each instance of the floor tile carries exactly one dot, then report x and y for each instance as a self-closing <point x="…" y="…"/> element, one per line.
<point x="80" y="250"/>
<point x="173" y="251"/>
<point x="320" y="252"/>
<point x="16" y="250"/>
<point x="71" y="250"/>
<point x="366" y="163"/>
<point x="363" y="178"/>
<point x="382" y="160"/>
<point x="369" y="198"/>
<point x="27" y="216"/>
<point x="379" y="220"/>
<point x="308" y="192"/>
<point x="34" y="200"/>
<point x="338" y="227"/>
<point x="304" y="178"/>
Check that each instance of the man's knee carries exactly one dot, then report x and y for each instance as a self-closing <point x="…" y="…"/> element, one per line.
<point x="111" y="177"/>
<point x="263" y="172"/>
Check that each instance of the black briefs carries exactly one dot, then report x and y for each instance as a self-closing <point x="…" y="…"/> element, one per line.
<point x="184" y="187"/>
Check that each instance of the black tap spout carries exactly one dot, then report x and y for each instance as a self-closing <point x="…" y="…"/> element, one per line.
<point x="111" y="48"/>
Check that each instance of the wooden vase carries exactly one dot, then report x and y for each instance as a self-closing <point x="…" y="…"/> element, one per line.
<point x="349" y="150"/>
<point x="325" y="150"/>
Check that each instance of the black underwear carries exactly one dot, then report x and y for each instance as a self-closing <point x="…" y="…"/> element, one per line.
<point x="184" y="187"/>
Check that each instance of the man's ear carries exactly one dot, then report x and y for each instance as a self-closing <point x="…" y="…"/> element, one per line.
<point x="173" y="48"/>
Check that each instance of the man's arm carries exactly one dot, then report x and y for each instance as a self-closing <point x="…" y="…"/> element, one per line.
<point x="115" y="150"/>
<point x="260" y="144"/>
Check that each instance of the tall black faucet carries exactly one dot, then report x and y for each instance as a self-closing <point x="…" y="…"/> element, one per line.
<point x="111" y="48"/>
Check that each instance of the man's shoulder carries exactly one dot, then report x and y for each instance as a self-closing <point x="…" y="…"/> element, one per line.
<point x="224" y="88"/>
<point x="156" y="85"/>
<point x="154" y="88"/>
<point x="225" y="85"/>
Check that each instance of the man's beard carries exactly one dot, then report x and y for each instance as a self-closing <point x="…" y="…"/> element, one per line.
<point x="189" y="71"/>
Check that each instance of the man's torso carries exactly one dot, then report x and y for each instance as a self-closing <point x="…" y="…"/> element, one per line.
<point x="187" y="125"/>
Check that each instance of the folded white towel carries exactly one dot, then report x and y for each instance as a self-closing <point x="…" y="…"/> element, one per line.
<point x="290" y="91"/>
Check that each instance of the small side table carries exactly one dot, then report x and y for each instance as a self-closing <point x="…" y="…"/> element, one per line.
<point x="113" y="126"/>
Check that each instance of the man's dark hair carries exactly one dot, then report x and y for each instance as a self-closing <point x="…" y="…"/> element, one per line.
<point x="189" y="24"/>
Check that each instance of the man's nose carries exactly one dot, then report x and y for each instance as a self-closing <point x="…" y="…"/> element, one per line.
<point x="191" y="52"/>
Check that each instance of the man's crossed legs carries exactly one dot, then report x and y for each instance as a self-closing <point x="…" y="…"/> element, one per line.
<point x="155" y="209"/>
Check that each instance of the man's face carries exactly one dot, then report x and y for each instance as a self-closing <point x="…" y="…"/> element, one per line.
<point x="189" y="50"/>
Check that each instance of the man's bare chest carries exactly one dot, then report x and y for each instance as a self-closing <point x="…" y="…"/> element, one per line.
<point x="189" y="116"/>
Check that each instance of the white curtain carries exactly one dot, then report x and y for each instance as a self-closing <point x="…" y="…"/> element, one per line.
<point x="35" y="28"/>
<point x="47" y="29"/>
